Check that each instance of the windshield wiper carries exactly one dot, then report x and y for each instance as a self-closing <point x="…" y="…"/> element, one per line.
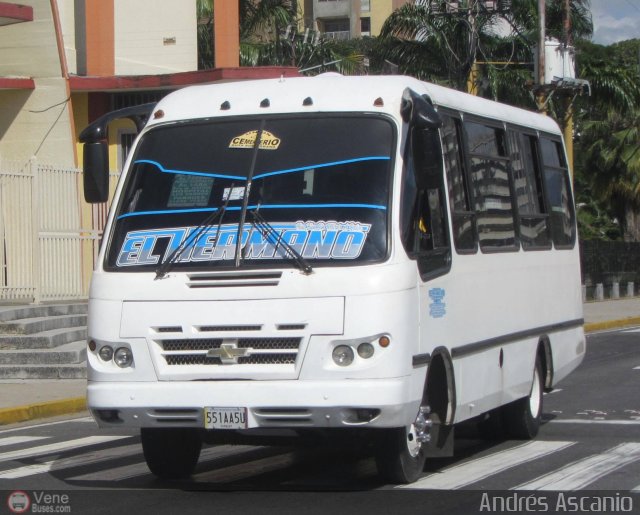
<point x="270" y="233"/>
<point x="200" y="229"/>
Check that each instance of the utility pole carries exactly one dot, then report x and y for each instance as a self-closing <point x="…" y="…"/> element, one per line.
<point x="568" y="100"/>
<point x="541" y="51"/>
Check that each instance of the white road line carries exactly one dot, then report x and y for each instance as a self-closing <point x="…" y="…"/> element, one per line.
<point x="248" y="469"/>
<point x="636" y="368"/>
<point x="88" y="458"/>
<point x="472" y="471"/>
<point x="60" y="446"/>
<point x="141" y="469"/>
<point x="592" y="421"/>
<point x="14" y="440"/>
<point x="584" y="472"/>
<point x="555" y="390"/>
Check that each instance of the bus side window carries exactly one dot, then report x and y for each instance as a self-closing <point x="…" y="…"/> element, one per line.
<point x="558" y="193"/>
<point x="463" y="218"/>
<point x="490" y="184"/>
<point x="423" y="219"/>
<point x="529" y="194"/>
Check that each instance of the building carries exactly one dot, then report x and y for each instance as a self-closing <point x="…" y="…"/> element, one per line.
<point x="346" y="19"/>
<point x="63" y="63"/>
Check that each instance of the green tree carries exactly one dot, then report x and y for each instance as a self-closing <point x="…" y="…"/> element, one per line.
<point x="269" y="36"/>
<point x="608" y="134"/>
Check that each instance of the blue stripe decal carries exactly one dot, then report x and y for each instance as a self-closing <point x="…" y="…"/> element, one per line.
<point x="262" y="175"/>
<point x="322" y="165"/>
<point x="322" y="206"/>
<point x="238" y="208"/>
<point x="184" y="172"/>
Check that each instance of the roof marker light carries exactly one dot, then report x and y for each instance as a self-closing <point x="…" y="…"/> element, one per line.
<point x="158" y="114"/>
<point x="265" y="103"/>
<point x="307" y="101"/>
<point x="225" y="106"/>
<point x="378" y="102"/>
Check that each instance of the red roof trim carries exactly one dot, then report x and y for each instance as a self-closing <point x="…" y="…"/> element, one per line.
<point x="15" y="13"/>
<point x="176" y="80"/>
<point x="16" y="83"/>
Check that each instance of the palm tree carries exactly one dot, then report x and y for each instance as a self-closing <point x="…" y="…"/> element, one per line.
<point x="269" y="36"/>
<point x="426" y="41"/>
<point x="609" y="141"/>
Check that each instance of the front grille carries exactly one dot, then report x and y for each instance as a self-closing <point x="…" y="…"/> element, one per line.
<point x="256" y="359"/>
<point x="230" y="351"/>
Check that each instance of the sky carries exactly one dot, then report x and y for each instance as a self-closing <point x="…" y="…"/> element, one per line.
<point x="615" y="20"/>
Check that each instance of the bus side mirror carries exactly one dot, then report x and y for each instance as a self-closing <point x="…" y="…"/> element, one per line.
<point x="96" y="172"/>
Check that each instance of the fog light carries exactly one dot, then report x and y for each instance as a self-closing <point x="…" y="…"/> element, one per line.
<point x="343" y="355"/>
<point x="365" y="350"/>
<point x="105" y="353"/>
<point x="123" y="357"/>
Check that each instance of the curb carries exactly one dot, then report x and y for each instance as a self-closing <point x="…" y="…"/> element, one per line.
<point x="42" y="410"/>
<point x="611" y="324"/>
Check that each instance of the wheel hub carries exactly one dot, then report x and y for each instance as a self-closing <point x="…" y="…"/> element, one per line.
<point x="418" y="432"/>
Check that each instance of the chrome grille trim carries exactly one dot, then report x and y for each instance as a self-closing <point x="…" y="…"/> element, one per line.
<point x="233" y="279"/>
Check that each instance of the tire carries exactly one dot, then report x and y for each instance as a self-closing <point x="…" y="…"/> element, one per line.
<point x="522" y="417"/>
<point x="400" y="458"/>
<point x="171" y="453"/>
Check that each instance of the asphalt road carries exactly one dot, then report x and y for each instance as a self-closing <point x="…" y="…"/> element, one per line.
<point x="586" y="455"/>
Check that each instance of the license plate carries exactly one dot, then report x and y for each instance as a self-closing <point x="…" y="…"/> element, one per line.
<point x="225" y="418"/>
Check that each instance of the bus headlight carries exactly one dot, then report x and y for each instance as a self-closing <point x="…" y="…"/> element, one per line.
<point x="105" y="353"/>
<point x="365" y="350"/>
<point x="342" y="355"/>
<point x="123" y="357"/>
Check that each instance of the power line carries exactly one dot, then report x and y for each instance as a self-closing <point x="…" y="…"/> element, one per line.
<point x="633" y="5"/>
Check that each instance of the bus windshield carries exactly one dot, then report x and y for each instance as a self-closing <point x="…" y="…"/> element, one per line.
<point x="322" y="185"/>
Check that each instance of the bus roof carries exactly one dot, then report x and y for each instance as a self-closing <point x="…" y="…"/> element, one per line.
<point x="331" y="92"/>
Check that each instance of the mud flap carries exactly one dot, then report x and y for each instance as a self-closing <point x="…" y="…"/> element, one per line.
<point x="441" y="443"/>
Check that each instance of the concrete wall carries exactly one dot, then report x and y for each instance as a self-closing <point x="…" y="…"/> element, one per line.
<point x="30" y="121"/>
<point x="155" y="36"/>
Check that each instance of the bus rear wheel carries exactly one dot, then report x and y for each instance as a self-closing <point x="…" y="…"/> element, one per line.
<point x="400" y="456"/>
<point x="522" y="417"/>
<point x="171" y="453"/>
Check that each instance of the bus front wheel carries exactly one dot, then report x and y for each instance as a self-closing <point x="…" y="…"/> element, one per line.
<point x="400" y="456"/>
<point x="171" y="453"/>
<point x="522" y="417"/>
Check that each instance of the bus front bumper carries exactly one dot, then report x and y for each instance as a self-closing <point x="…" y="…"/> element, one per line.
<point x="269" y="404"/>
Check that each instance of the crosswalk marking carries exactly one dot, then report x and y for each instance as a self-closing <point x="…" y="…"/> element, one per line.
<point x="73" y="461"/>
<point x="14" y="440"/>
<point x="45" y="424"/>
<point x="244" y="470"/>
<point x="472" y="471"/>
<point x="140" y="469"/>
<point x="60" y="446"/>
<point x="584" y="472"/>
<point x="594" y="421"/>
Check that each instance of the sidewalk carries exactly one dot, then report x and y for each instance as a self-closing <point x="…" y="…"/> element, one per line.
<point x="22" y="400"/>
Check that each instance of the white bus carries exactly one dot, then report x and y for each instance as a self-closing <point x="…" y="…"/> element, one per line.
<point x="376" y="257"/>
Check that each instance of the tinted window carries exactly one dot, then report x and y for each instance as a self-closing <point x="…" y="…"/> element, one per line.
<point x="464" y="233"/>
<point x="528" y="191"/>
<point x="322" y="183"/>
<point x="558" y="193"/>
<point x="490" y="186"/>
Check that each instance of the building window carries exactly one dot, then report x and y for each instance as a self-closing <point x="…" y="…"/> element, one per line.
<point x="365" y="26"/>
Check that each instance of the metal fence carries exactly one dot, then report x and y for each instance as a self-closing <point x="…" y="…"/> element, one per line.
<point x="47" y="250"/>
